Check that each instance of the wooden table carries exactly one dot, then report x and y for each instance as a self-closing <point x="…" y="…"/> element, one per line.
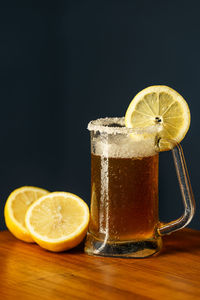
<point x="29" y="272"/>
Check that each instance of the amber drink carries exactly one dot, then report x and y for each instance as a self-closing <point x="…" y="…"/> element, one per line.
<point x="129" y="199"/>
<point x="124" y="191"/>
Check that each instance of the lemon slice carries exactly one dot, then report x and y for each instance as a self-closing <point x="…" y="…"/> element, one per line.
<point x="16" y="207"/>
<point x="162" y="107"/>
<point x="58" y="221"/>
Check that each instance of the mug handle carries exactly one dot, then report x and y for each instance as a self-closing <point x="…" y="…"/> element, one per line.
<point x="186" y="191"/>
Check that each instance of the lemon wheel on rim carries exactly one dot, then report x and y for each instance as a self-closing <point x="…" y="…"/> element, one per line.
<point x="162" y="107"/>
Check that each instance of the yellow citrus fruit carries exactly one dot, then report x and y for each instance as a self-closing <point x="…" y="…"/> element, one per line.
<point x="58" y="221"/>
<point x="16" y="207"/>
<point x="162" y="107"/>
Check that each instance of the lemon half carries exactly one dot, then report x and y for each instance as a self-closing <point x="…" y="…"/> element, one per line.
<point x="162" y="107"/>
<point x="58" y="221"/>
<point x="16" y="207"/>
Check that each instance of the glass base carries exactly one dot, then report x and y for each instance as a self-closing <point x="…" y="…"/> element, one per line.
<point x="126" y="249"/>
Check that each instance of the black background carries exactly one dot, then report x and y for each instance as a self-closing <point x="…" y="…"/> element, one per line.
<point x="64" y="63"/>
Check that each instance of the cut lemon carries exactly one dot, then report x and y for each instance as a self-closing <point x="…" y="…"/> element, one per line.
<point x="16" y="207"/>
<point x="162" y="107"/>
<point x="58" y="221"/>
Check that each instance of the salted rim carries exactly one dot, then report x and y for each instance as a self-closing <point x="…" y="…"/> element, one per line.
<point x="102" y="125"/>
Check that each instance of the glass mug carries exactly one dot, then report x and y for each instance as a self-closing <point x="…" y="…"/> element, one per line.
<point x="124" y="218"/>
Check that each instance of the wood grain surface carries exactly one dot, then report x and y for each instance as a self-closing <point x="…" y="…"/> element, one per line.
<point x="29" y="272"/>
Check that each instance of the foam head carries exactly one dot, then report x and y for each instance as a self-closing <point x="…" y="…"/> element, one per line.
<point x="110" y="138"/>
